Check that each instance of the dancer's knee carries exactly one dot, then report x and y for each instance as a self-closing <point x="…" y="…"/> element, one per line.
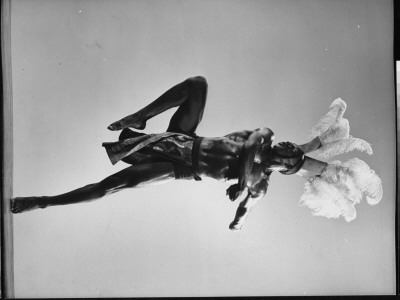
<point x="198" y="83"/>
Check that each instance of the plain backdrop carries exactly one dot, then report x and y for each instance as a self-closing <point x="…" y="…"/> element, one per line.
<point x="80" y="65"/>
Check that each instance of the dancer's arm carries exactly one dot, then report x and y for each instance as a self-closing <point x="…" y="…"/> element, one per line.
<point x="259" y="138"/>
<point x="257" y="188"/>
<point x="251" y="175"/>
<point x="239" y="136"/>
<point x="242" y="212"/>
<point x="314" y="145"/>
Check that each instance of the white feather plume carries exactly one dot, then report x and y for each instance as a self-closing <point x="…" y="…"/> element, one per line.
<point x="334" y="132"/>
<point x="340" y="187"/>
<point x="342" y="146"/>
<point x="325" y="200"/>
<point x="336" y="111"/>
<point x="366" y="180"/>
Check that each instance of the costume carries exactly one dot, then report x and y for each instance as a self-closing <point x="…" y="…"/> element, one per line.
<point x="340" y="186"/>
<point x="177" y="148"/>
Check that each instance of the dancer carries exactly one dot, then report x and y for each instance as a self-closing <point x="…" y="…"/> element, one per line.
<point x="331" y="190"/>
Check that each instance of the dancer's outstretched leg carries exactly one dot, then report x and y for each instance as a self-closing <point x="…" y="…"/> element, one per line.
<point x="131" y="177"/>
<point x="190" y="95"/>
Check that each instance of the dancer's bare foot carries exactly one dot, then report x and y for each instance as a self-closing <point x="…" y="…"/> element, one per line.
<point x="135" y="120"/>
<point x="22" y="204"/>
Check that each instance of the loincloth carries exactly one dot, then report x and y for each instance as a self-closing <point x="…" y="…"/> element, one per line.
<point x="177" y="148"/>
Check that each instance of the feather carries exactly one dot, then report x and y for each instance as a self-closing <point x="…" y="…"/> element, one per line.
<point x="366" y="180"/>
<point x="338" y="131"/>
<point x="340" y="187"/>
<point x="336" y="111"/>
<point x="325" y="200"/>
<point x="343" y="146"/>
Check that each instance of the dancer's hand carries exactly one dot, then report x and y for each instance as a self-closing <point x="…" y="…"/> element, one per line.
<point x="243" y="210"/>
<point x="235" y="226"/>
<point x="233" y="192"/>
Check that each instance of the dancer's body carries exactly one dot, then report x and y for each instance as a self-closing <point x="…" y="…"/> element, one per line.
<point x="179" y="153"/>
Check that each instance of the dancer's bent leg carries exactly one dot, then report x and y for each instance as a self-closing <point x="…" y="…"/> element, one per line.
<point x="190" y="95"/>
<point x="131" y="177"/>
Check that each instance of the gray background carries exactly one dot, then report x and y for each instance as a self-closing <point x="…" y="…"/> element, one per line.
<point x="80" y="65"/>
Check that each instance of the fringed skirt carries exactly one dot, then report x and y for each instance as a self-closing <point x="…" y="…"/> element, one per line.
<point x="340" y="187"/>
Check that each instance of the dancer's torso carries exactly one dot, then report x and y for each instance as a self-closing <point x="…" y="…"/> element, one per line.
<point x="219" y="157"/>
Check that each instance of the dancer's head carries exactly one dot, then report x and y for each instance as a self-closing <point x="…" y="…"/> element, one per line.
<point x="285" y="157"/>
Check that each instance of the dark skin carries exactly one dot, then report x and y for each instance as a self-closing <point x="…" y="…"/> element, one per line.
<point x="216" y="155"/>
